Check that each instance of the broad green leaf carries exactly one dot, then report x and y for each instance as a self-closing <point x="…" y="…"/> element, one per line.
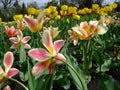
<point x="79" y="81"/>
<point x="31" y="80"/>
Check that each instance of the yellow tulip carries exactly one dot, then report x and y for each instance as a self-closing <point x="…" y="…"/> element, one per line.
<point x="64" y="7"/>
<point x="77" y="17"/>
<point x="57" y="17"/>
<point x="72" y="10"/>
<point x="18" y="17"/>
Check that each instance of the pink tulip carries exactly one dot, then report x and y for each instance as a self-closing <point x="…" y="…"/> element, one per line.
<point x="47" y="58"/>
<point x="10" y="31"/>
<point x="8" y="72"/>
<point x="34" y="24"/>
<point x="19" y="39"/>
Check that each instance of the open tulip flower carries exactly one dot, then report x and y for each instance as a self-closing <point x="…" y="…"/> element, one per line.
<point x="86" y="31"/>
<point x="19" y="39"/>
<point x="10" y="31"/>
<point x="34" y="24"/>
<point x="8" y="72"/>
<point x="47" y="58"/>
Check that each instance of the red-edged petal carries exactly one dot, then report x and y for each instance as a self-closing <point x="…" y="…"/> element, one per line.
<point x="47" y="41"/>
<point x="8" y="61"/>
<point x="12" y="72"/>
<point x="27" y="46"/>
<point x="1" y="70"/>
<point x="59" y="58"/>
<point x="39" y="67"/>
<point x="13" y="39"/>
<point x="26" y="39"/>
<point x="58" y="44"/>
<point x="39" y="54"/>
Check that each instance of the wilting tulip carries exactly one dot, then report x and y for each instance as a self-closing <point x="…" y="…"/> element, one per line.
<point x="35" y="25"/>
<point x="19" y="39"/>
<point x="10" y="31"/>
<point x="8" y="72"/>
<point x="47" y="58"/>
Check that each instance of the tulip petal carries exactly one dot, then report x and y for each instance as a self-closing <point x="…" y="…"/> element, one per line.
<point x="58" y="44"/>
<point x="14" y="46"/>
<point x="39" y="54"/>
<point x="1" y="70"/>
<point x="13" y="39"/>
<point x="47" y="41"/>
<point x="50" y="67"/>
<point x="39" y="67"/>
<point x="31" y="23"/>
<point x="20" y="35"/>
<point x="8" y="61"/>
<point x="7" y="88"/>
<point x="27" y="46"/>
<point x="12" y="72"/>
<point x="59" y="58"/>
<point x="102" y="29"/>
<point x="26" y="39"/>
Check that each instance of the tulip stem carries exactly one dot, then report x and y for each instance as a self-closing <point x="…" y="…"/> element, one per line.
<point x="12" y="79"/>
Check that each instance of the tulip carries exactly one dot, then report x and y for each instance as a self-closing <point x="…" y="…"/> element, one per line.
<point x="8" y="72"/>
<point x="34" y="24"/>
<point x="47" y="58"/>
<point x="10" y="31"/>
<point x="17" y="41"/>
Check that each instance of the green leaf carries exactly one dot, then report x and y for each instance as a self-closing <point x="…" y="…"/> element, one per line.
<point x="45" y="82"/>
<point x="108" y="83"/>
<point x="79" y="81"/>
<point x="105" y="66"/>
<point x="31" y="80"/>
<point x="23" y="64"/>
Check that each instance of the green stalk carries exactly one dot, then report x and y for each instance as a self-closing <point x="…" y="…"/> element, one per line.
<point x="12" y="79"/>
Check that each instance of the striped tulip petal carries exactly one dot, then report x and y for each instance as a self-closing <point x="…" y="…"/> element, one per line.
<point x="1" y="70"/>
<point x="8" y="61"/>
<point x="50" y="67"/>
<point x="39" y="54"/>
<point x="27" y="46"/>
<point x="20" y="35"/>
<point x="39" y="67"/>
<point x="58" y="44"/>
<point x="14" y="46"/>
<point x="13" y="39"/>
<point x="31" y="23"/>
<point x="26" y="39"/>
<point x="59" y="58"/>
<point x="12" y="72"/>
<point x="47" y="41"/>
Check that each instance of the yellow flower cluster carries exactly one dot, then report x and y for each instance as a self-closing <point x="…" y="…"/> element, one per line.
<point x="18" y="17"/>
<point x="33" y="11"/>
<point x="84" y="11"/>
